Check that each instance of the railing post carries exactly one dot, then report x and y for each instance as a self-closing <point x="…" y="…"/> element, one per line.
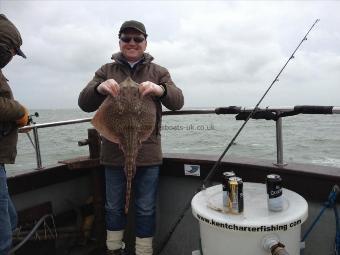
<point x="94" y="142"/>
<point x="279" y="143"/>
<point x="37" y="148"/>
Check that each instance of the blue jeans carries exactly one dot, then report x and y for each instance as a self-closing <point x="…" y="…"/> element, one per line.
<point x="8" y="215"/>
<point x="145" y="185"/>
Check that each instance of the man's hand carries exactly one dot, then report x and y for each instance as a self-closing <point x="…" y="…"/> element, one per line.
<point x="107" y="87"/>
<point x="23" y="121"/>
<point x="150" y="88"/>
<point x="26" y="130"/>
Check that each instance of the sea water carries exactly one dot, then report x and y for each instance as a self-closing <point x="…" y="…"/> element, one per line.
<point x="313" y="139"/>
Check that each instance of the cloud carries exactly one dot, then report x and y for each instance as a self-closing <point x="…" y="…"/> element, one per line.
<point x="219" y="53"/>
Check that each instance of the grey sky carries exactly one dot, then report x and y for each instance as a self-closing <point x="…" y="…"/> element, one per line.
<point x="219" y="53"/>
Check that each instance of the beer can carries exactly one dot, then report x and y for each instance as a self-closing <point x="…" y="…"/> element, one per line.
<point x="274" y="192"/>
<point x="225" y="197"/>
<point x="235" y="188"/>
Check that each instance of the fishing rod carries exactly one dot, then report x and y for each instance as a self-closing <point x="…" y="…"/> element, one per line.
<point x="291" y="110"/>
<point x="211" y="173"/>
<point x="276" y="79"/>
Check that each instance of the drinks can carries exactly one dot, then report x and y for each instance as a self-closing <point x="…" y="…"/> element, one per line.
<point x="225" y="187"/>
<point x="274" y="192"/>
<point x="235" y="188"/>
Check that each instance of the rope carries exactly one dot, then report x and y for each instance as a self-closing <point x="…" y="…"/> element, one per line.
<point x="330" y="203"/>
<point x="337" y="234"/>
<point x="34" y="229"/>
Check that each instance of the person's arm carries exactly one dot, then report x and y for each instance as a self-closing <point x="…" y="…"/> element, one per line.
<point x="10" y="110"/>
<point x="89" y="98"/>
<point x="173" y="98"/>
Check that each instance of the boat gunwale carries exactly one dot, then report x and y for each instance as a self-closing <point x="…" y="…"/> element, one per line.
<point x="173" y="165"/>
<point x="292" y="167"/>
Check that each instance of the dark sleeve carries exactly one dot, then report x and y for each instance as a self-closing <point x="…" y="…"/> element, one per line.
<point x="173" y="99"/>
<point x="89" y="99"/>
<point x="10" y="110"/>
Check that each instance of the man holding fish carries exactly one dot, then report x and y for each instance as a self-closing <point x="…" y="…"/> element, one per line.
<point x="131" y="157"/>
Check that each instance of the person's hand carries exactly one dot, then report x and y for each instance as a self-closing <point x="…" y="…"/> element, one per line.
<point x="23" y="121"/>
<point x="107" y="87"/>
<point x="26" y="130"/>
<point x="150" y="88"/>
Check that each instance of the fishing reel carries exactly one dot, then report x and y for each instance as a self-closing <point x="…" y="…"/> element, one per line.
<point x="30" y="118"/>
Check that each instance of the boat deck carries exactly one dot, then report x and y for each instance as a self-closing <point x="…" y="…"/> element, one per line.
<point x="174" y="195"/>
<point x="63" y="187"/>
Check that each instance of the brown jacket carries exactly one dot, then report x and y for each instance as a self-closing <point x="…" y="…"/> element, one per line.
<point x="150" y="152"/>
<point x="10" y="111"/>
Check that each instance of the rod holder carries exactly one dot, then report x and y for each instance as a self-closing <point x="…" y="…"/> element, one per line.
<point x="37" y="148"/>
<point x="279" y="143"/>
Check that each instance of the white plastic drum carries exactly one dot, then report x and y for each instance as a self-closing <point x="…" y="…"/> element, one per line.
<point x="228" y="234"/>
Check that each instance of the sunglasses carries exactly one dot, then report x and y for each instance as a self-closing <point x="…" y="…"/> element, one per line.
<point x="136" y="39"/>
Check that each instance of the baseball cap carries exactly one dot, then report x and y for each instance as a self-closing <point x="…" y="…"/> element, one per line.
<point x="20" y="53"/>
<point x="10" y="35"/>
<point x="133" y="24"/>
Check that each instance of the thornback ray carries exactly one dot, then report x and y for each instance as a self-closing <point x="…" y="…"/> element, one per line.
<point x="127" y="119"/>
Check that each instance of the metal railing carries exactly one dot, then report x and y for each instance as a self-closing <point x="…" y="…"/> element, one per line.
<point x="35" y="128"/>
<point x="273" y="113"/>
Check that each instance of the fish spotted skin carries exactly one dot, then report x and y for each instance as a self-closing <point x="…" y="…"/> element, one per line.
<point x="127" y="119"/>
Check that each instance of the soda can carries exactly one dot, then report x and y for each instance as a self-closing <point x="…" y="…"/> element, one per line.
<point x="274" y="192"/>
<point x="235" y="187"/>
<point x="225" y="187"/>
